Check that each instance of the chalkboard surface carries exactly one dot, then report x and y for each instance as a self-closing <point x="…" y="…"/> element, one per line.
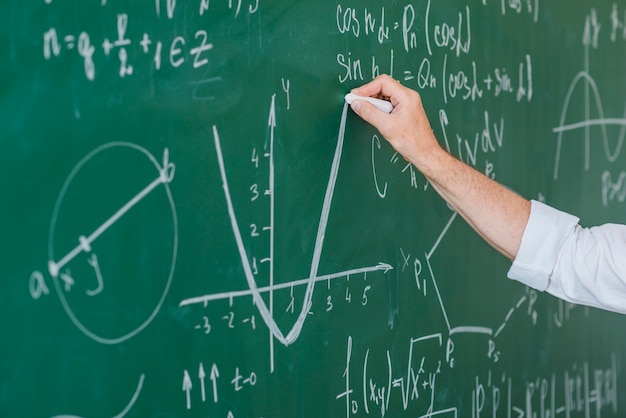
<point x="194" y="224"/>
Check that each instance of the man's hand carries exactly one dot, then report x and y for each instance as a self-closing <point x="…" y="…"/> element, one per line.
<point x="407" y="127"/>
<point x="496" y="213"/>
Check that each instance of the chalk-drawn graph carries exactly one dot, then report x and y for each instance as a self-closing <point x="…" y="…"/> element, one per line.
<point x="256" y="292"/>
<point x="584" y="81"/>
<point x="119" y="182"/>
<point x="265" y="309"/>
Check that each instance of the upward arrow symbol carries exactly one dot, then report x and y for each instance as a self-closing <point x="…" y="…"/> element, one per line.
<point x="271" y="120"/>
<point x="214" y="375"/>
<point x="202" y="375"/>
<point x="187" y="388"/>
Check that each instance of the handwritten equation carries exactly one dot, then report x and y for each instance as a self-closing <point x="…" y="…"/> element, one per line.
<point x="173" y="51"/>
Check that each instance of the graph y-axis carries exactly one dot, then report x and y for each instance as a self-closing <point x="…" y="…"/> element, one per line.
<point x="272" y="124"/>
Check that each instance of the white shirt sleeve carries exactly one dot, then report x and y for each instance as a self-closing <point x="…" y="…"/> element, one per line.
<point x="580" y="265"/>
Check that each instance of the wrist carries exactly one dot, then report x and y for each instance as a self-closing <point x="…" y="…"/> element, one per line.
<point x="431" y="159"/>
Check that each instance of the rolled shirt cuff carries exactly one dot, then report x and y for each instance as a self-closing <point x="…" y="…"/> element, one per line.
<point x="545" y="233"/>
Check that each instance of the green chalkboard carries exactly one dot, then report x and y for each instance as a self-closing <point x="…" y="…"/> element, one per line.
<point x="193" y="223"/>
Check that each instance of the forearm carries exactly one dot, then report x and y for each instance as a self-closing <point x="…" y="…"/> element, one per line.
<point x="495" y="212"/>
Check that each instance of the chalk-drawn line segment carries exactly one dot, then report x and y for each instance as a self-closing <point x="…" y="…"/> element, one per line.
<point x="384" y="267"/>
<point x="84" y="244"/>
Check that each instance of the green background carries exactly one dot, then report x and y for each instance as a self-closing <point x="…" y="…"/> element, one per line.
<point x="151" y="299"/>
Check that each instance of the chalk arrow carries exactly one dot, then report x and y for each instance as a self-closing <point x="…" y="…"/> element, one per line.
<point x="202" y="375"/>
<point x="214" y="375"/>
<point x="271" y="120"/>
<point x="187" y="388"/>
<point x="384" y="267"/>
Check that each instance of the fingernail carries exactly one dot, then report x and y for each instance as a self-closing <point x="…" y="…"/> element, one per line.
<point x="356" y="105"/>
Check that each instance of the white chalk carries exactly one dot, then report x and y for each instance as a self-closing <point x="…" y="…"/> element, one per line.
<point x="382" y="105"/>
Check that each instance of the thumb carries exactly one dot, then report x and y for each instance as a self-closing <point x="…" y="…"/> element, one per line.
<point x="368" y="112"/>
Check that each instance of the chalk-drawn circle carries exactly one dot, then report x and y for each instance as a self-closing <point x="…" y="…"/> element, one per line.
<point x="113" y="241"/>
